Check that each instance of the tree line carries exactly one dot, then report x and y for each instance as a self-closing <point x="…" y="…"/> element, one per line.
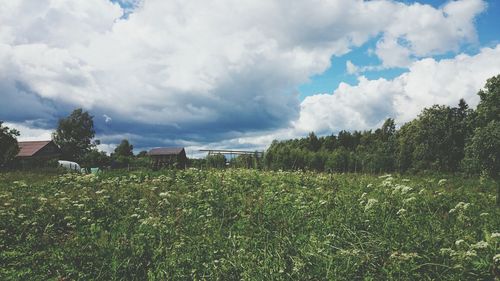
<point x="441" y="138"/>
<point x="75" y="138"/>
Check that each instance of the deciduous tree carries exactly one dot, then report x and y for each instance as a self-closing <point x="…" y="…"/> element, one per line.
<point x="8" y="144"/>
<point x="74" y="135"/>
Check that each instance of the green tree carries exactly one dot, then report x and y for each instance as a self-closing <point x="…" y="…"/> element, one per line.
<point x="483" y="152"/>
<point x="124" y="149"/>
<point x="488" y="108"/>
<point x="435" y="140"/>
<point x="313" y="143"/>
<point x="74" y="135"/>
<point x="483" y="149"/>
<point x="388" y="129"/>
<point x="8" y="144"/>
<point x="216" y="161"/>
<point x="95" y="158"/>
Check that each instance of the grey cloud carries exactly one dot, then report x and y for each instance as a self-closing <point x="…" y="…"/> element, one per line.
<point x="196" y="71"/>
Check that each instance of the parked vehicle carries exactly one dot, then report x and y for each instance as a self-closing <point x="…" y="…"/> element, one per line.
<point x="69" y="165"/>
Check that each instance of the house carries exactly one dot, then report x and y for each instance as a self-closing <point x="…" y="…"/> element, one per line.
<point x="37" y="153"/>
<point x="174" y="157"/>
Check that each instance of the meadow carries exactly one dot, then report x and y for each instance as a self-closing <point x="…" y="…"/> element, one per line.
<point x="247" y="225"/>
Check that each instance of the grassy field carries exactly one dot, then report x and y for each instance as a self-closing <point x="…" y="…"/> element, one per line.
<point x="246" y="224"/>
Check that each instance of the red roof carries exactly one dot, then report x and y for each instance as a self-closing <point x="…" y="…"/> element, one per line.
<point x="29" y="148"/>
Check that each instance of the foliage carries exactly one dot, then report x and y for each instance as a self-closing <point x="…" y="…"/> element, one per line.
<point x="95" y="159"/>
<point x="216" y="161"/>
<point x="249" y="161"/>
<point x="483" y="149"/>
<point x="74" y="135"/>
<point x="123" y="155"/>
<point x="246" y="224"/>
<point x="124" y="149"/>
<point x="435" y="141"/>
<point x="8" y="144"/>
<point x="488" y="108"/>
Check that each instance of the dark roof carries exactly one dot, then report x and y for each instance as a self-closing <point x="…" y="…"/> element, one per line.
<point x="29" y="148"/>
<point x="166" y="151"/>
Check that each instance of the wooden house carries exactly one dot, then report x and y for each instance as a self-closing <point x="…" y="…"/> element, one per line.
<point x="174" y="157"/>
<point x="37" y="153"/>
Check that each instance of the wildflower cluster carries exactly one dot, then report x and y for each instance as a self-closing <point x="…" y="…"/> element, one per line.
<point x="243" y="224"/>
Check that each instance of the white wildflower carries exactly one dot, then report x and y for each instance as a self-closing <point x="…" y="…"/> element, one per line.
<point x="163" y="194"/>
<point x="495" y="236"/>
<point x="480" y="245"/>
<point x="403" y="256"/>
<point x="403" y="189"/>
<point x="442" y="182"/>
<point x="409" y="200"/>
<point x="496" y="258"/>
<point x="134" y="216"/>
<point x="446" y="251"/>
<point x="401" y="212"/>
<point x="387" y="182"/>
<point x="470" y="253"/>
<point x="459" y="242"/>
<point x="461" y="206"/>
<point x="353" y="252"/>
<point x="371" y="202"/>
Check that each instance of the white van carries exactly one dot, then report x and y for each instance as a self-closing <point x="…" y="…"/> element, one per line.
<point x="68" y="165"/>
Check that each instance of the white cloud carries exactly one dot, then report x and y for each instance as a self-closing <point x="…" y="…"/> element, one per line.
<point x="393" y="54"/>
<point x="29" y="133"/>
<point x="421" y="30"/>
<point x="107" y="147"/>
<point x="190" y="70"/>
<point x="349" y="107"/>
<point x="428" y="82"/>
<point x="107" y="119"/>
<point x="351" y="68"/>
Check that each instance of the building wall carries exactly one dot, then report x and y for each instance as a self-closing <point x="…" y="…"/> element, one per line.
<point x="47" y="156"/>
<point x="178" y="161"/>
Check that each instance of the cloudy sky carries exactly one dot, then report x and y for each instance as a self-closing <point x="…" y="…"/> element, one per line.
<point x="238" y="74"/>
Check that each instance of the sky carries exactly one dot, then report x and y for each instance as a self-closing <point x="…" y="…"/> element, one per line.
<point x="238" y="74"/>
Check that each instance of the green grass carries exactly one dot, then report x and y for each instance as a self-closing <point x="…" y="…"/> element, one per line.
<point x="246" y="224"/>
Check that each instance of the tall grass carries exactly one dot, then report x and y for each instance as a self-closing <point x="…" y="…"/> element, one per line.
<point x="246" y="224"/>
